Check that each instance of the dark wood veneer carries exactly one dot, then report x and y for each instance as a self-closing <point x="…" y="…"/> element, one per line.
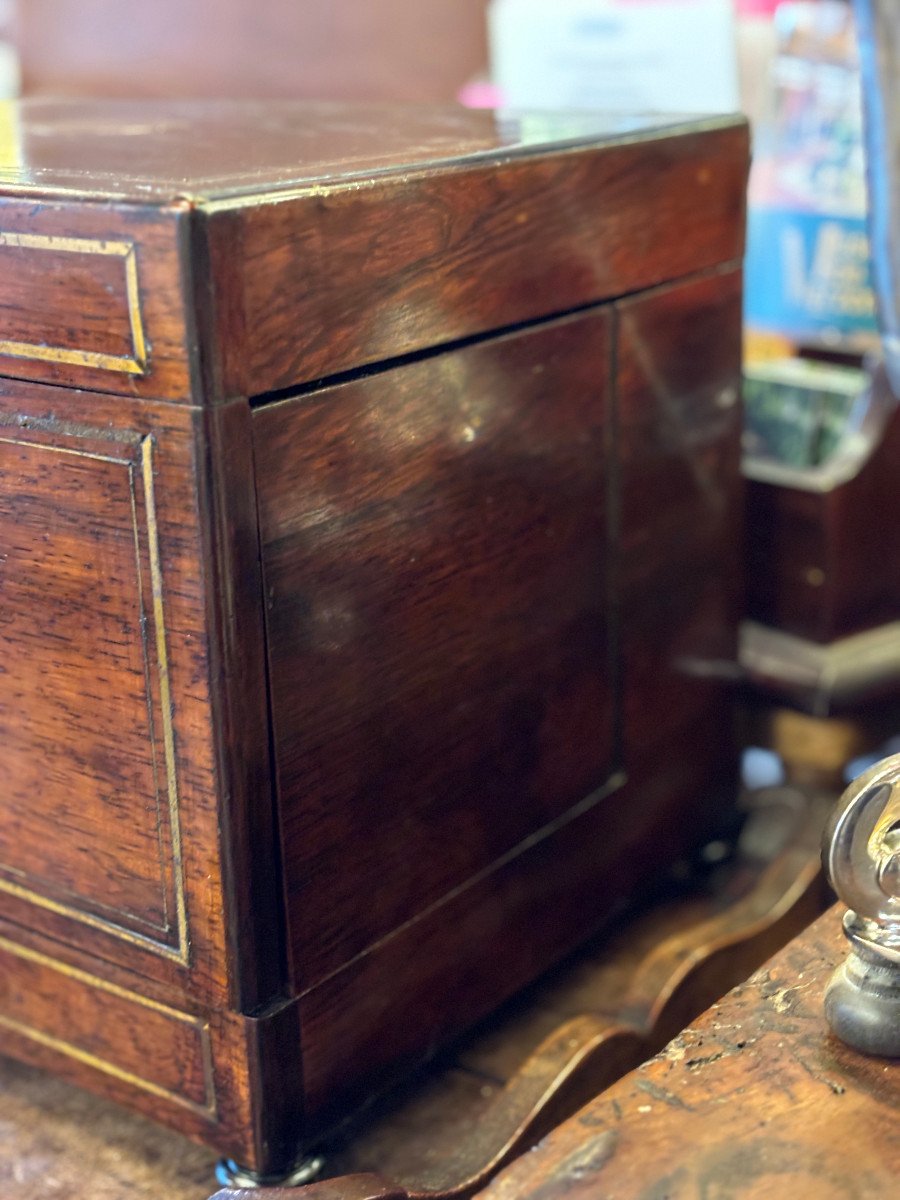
<point x="441" y="256"/>
<point x="101" y="292"/>
<point x="436" y="557"/>
<point x="681" y="503"/>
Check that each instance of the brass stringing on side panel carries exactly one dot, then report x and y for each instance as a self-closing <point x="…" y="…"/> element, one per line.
<point x="140" y="474"/>
<point x="134" y="364"/>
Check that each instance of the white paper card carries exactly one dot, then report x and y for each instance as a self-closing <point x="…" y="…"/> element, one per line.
<point x="617" y="55"/>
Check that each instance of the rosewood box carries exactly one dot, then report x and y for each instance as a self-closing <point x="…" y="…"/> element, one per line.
<point x="369" y="492"/>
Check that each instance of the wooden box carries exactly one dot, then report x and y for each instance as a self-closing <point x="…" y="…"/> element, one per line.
<point x="369" y="490"/>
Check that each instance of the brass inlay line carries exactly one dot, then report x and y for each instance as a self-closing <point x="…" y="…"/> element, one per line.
<point x="107" y="458"/>
<point x="108" y="1068"/>
<point x="160" y="841"/>
<point x="198" y="1024"/>
<point x="103" y="985"/>
<point x="95" y="922"/>
<point x="165" y="694"/>
<point x="134" y="364"/>
<point x="97" y="904"/>
<point x="181" y="952"/>
<point x="127" y="439"/>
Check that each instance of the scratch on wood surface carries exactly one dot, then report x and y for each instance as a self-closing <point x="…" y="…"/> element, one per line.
<point x="661" y="1094"/>
<point x="588" y="1158"/>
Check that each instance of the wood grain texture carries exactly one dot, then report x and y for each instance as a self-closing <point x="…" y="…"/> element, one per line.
<point x="92" y="296"/>
<point x="436" y="558"/>
<point x="90" y="817"/>
<point x="157" y="1048"/>
<point x="756" y="1096"/>
<point x="130" y="706"/>
<point x="443" y="966"/>
<point x="395" y="266"/>
<point x="677" y="470"/>
<point x="94" y="273"/>
<point x="134" y="793"/>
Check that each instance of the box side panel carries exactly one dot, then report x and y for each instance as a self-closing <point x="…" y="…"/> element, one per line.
<point x="676" y="485"/>
<point x="139" y="889"/>
<point x="679" y="355"/>
<point x="436" y="559"/>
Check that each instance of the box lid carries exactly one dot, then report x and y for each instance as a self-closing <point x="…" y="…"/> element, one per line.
<point x="202" y="250"/>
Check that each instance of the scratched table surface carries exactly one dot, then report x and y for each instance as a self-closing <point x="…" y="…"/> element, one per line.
<point x="754" y="1101"/>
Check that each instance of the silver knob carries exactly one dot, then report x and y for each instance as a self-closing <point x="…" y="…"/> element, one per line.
<point x="861" y="853"/>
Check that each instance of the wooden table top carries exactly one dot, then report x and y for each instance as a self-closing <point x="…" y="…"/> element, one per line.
<point x="754" y="1100"/>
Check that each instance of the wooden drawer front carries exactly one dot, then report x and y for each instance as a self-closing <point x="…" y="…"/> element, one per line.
<point x="89" y="819"/>
<point x="436" y="559"/>
<point x="65" y="1013"/>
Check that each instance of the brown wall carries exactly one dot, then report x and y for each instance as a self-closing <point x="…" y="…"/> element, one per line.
<point x="421" y="50"/>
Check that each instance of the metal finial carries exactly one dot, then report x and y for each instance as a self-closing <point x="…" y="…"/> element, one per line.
<point x="861" y="853"/>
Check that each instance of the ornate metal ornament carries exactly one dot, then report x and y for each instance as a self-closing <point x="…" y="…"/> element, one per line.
<point x="861" y="853"/>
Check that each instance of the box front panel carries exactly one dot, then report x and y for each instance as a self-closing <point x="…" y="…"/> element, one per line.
<point x="436" y="561"/>
<point x="673" y="559"/>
